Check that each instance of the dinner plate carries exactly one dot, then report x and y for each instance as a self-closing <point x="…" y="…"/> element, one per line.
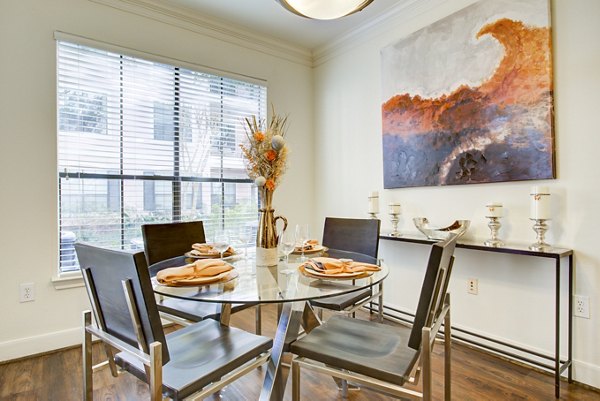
<point x="342" y="276"/>
<point x="219" y="278"/>
<point x="315" y="249"/>
<point x="210" y="255"/>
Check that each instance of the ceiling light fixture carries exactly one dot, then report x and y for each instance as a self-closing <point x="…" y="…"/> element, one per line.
<point x="324" y="9"/>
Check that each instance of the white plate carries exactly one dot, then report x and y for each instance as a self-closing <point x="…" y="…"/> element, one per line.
<point x="209" y="255"/>
<point x="339" y="275"/>
<point x="315" y="249"/>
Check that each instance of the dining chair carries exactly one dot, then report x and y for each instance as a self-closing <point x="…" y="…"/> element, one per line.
<point x="353" y="235"/>
<point x="384" y="357"/>
<point x="168" y="240"/>
<point x="196" y="360"/>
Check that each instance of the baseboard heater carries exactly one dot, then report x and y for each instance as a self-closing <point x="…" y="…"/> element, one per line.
<point x="479" y="341"/>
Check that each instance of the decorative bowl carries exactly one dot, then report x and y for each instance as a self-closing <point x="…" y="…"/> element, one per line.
<point x="458" y="228"/>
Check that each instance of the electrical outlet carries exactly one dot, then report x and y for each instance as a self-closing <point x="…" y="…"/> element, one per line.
<point x="26" y="292"/>
<point x="473" y="286"/>
<point x="581" y="306"/>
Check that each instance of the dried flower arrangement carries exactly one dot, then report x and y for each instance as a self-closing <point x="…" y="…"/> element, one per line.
<point x="266" y="150"/>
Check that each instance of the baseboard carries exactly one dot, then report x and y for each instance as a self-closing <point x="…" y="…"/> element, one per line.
<point x="586" y="373"/>
<point x="49" y="342"/>
<point x="23" y="347"/>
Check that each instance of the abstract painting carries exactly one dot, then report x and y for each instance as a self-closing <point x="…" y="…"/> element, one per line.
<point x="469" y="99"/>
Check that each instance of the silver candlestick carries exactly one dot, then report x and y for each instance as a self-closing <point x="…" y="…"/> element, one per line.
<point x="395" y="219"/>
<point x="494" y="226"/>
<point x="540" y="227"/>
<point x="373" y="215"/>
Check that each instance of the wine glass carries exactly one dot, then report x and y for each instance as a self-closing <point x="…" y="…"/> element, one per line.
<point x="245" y="236"/>
<point x="287" y="243"/>
<point x="221" y="242"/>
<point x="302" y="237"/>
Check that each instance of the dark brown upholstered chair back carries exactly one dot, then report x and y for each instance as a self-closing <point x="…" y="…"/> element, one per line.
<point x="107" y="270"/>
<point x="354" y="235"/>
<point x="433" y="290"/>
<point x="165" y="241"/>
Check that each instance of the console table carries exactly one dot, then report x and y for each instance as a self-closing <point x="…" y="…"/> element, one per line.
<point x="556" y="254"/>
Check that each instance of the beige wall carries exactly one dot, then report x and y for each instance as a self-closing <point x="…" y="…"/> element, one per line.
<point x="28" y="204"/>
<point x="516" y="297"/>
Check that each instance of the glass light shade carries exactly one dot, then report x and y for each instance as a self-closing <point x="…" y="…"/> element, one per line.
<point x="324" y="9"/>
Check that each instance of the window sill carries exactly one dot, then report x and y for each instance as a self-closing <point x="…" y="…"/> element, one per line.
<point x="68" y="280"/>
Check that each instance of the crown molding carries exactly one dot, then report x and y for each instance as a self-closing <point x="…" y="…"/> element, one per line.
<point x="177" y="16"/>
<point x="396" y="15"/>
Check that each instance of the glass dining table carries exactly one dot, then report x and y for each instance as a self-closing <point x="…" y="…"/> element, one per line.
<point x="284" y="285"/>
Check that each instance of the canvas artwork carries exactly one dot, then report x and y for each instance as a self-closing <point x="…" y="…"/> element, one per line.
<point x="469" y="99"/>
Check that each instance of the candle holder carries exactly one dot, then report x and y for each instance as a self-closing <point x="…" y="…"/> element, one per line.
<point x="494" y="226"/>
<point x="373" y="215"/>
<point x="395" y="219"/>
<point x="540" y="227"/>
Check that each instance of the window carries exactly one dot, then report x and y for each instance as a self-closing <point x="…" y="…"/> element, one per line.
<point x="142" y="142"/>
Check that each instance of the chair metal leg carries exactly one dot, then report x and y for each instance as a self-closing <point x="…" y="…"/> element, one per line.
<point x="111" y="360"/>
<point x="380" y="312"/>
<point x="295" y="381"/>
<point x="447" y="354"/>
<point x="86" y="347"/>
<point x="344" y="389"/>
<point x="155" y="379"/>
<point x="426" y="362"/>
<point x="258" y="320"/>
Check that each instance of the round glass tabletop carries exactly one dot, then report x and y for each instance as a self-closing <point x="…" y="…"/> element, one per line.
<point x="276" y="284"/>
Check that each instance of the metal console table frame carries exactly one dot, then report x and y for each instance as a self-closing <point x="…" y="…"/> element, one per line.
<point x="557" y="254"/>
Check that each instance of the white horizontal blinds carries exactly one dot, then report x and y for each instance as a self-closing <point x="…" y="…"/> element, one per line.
<point x="142" y="142"/>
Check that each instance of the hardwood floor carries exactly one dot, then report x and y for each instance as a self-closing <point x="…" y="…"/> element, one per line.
<point x="476" y="376"/>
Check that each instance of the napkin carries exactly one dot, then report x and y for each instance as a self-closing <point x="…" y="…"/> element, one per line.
<point x="200" y="268"/>
<point x="208" y="249"/>
<point x="309" y="245"/>
<point x="337" y="266"/>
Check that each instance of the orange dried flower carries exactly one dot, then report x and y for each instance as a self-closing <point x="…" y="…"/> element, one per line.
<point x="270" y="184"/>
<point x="270" y="155"/>
<point x="259" y="136"/>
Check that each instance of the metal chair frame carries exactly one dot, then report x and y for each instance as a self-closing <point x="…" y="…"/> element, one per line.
<point x="150" y="356"/>
<point x="429" y="335"/>
<point x="438" y="313"/>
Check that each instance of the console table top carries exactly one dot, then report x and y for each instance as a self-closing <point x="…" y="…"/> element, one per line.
<point x="517" y="249"/>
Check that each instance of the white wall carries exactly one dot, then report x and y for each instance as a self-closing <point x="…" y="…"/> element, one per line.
<point x="28" y="204"/>
<point x="515" y="300"/>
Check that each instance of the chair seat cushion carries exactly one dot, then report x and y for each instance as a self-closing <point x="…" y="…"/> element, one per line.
<point x="364" y="347"/>
<point x="195" y="311"/>
<point x="341" y="302"/>
<point x="201" y="354"/>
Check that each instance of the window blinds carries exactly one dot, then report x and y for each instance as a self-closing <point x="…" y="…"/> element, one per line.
<point x="146" y="142"/>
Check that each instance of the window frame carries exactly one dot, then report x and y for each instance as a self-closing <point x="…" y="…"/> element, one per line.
<point x="65" y="278"/>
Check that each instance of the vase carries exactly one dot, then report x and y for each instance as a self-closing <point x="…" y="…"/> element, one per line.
<point x="266" y="237"/>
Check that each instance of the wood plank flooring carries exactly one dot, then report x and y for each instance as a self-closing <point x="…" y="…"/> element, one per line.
<point x="476" y="376"/>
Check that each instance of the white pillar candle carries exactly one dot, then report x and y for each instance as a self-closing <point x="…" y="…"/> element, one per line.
<point x="394" y="208"/>
<point x="493" y="209"/>
<point x="374" y="202"/>
<point x="540" y="203"/>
